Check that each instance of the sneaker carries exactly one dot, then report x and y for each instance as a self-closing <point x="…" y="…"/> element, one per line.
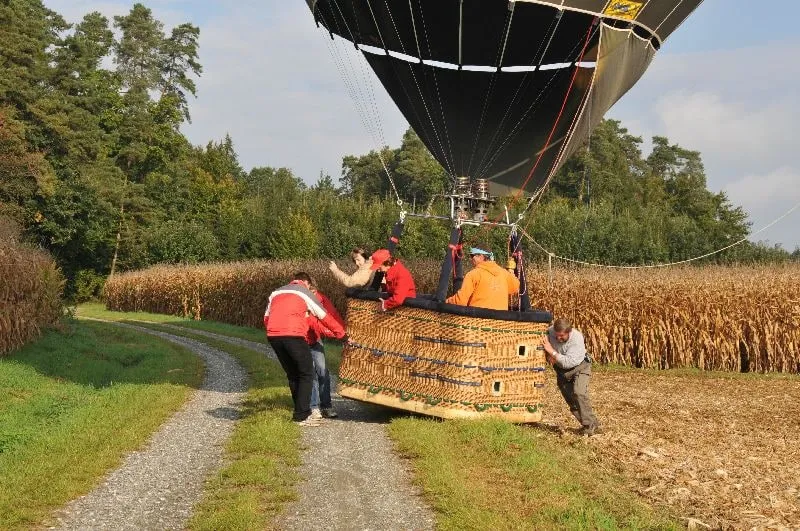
<point x="329" y="413"/>
<point x="315" y="414"/>
<point x="309" y="422"/>
<point x="588" y="431"/>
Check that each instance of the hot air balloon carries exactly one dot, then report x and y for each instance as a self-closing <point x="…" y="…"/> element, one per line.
<point x="501" y="92"/>
<point x="492" y="86"/>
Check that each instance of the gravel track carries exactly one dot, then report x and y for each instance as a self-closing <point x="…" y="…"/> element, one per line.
<point x="252" y="345"/>
<point x="158" y="486"/>
<point x="353" y="479"/>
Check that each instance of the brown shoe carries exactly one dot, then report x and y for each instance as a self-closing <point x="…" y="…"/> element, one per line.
<point x="588" y="431"/>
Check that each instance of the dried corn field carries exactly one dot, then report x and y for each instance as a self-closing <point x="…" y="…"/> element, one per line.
<point x="713" y="318"/>
<point x="233" y="293"/>
<point x="30" y="291"/>
<point x="718" y="451"/>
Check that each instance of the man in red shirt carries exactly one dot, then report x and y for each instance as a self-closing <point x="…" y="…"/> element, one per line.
<point x="399" y="282"/>
<point x="286" y="323"/>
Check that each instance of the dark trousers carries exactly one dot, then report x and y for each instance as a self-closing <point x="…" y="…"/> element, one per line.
<point x="295" y="357"/>
<point x="574" y="386"/>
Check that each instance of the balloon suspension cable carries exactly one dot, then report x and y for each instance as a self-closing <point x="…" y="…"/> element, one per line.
<point x="592" y="28"/>
<point x="362" y="93"/>
<point x="552" y="255"/>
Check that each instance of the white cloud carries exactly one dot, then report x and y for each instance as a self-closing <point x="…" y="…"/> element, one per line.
<point x="768" y="197"/>
<point x="739" y="109"/>
<point x="274" y="86"/>
<point x="718" y="125"/>
<point x="766" y="190"/>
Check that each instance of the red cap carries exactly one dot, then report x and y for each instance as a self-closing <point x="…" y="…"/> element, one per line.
<point x="379" y="257"/>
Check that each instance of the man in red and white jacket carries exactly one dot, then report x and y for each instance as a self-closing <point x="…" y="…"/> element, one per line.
<point x="286" y="323"/>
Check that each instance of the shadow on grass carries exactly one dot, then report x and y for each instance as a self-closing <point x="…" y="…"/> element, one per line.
<point x="100" y="355"/>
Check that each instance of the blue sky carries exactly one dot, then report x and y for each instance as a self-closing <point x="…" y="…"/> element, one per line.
<point x="724" y="84"/>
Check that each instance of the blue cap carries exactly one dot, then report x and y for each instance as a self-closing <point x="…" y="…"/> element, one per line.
<point x="476" y="250"/>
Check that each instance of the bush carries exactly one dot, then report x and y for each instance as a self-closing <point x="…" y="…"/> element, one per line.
<point x="87" y="285"/>
<point x="177" y="242"/>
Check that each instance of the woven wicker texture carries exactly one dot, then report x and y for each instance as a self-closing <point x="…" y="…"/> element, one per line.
<point x="441" y="364"/>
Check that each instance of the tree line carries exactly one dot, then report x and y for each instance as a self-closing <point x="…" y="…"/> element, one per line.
<point x="94" y="168"/>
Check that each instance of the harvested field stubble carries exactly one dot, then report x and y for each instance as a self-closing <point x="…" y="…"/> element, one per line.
<point x="712" y="318"/>
<point x="721" y="450"/>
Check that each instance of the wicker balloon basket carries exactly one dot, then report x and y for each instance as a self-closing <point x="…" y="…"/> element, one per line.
<point x="443" y="364"/>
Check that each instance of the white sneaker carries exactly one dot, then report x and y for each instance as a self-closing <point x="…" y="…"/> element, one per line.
<point x="309" y="422"/>
<point x="316" y="414"/>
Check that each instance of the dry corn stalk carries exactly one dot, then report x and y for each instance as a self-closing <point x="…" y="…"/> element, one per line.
<point x="712" y="318"/>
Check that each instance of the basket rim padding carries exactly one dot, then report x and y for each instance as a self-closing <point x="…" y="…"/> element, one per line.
<point x="426" y="302"/>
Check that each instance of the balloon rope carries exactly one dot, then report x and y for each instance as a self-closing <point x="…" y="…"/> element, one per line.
<point x="558" y="117"/>
<point x="425" y="105"/>
<point x="553" y="130"/>
<point x="489" y="91"/>
<point x="491" y="154"/>
<point x="361" y="100"/>
<point x="650" y="266"/>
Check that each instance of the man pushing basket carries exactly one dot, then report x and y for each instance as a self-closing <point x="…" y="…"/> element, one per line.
<point x="566" y="352"/>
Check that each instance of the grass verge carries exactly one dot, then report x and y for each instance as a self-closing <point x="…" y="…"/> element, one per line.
<point x="73" y="403"/>
<point x="98" y="311"/>
<point x="258" y="476"/>
<point x="333" y="349"/>
<point x="489" y="474"/>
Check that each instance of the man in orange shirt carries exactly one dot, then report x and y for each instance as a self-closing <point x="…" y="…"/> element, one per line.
<point x="488" y="285"/>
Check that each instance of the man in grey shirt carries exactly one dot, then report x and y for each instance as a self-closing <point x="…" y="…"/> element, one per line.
<point x="566" y="351"/>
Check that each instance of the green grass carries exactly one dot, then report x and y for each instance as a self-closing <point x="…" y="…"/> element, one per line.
<point x="98" y="311"/>
<point x="73" y="403"/>
<point x="261" y="455"/>
<point x="264" y="449"/>
<point x="489" y="474"/>
<point x="333" y="348"/>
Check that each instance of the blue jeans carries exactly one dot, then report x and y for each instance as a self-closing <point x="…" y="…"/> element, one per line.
<point x="321" y="384"/>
